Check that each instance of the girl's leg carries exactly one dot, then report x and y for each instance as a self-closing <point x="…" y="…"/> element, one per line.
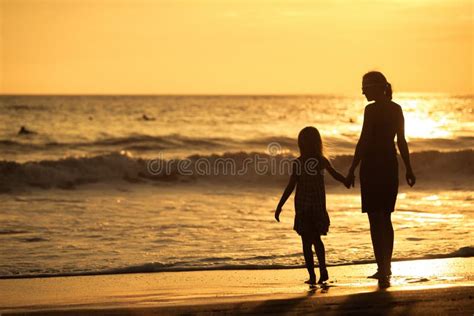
<point x="308" y="257"/>
<point x="321" y="254"/>
<point x="377" y="238"/>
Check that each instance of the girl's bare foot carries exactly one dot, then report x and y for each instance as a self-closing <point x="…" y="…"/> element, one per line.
<point x="311" y="281"/>
<point x="324" y="276"/>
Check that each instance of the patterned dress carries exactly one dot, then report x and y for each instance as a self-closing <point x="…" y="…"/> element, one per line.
<point x="311" y="217"/>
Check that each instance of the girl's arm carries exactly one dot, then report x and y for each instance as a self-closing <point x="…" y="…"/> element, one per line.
<point x="333" y="172"/>
<point x="360" y="148"/>
<point x="286" y="194"/>
<point x="403" y="148"/>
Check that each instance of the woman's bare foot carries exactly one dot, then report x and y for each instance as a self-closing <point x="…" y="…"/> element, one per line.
<point x="376" y="275"/>
<point x="379" y="275"/>
<point x="384" y="282"/>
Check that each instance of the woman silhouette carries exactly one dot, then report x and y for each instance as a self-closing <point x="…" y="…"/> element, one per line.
<point x="383" y="119"/>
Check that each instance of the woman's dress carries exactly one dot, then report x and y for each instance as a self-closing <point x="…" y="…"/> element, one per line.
<point x="379" y="166"/>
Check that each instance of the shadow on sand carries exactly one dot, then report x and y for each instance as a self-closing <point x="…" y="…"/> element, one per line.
<point x="378" y="302"/>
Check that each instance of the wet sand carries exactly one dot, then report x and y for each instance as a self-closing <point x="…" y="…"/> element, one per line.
<point x="437" y="286"/>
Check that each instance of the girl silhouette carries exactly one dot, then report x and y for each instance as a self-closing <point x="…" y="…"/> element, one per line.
<point x="311" y="217"/>
<point x="383" y="119"/>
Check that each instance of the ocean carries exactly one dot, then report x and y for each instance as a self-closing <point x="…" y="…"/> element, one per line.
<point x="117" y="184"/>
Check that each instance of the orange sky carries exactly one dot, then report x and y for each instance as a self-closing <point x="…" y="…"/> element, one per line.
<point x="233" y="46"/>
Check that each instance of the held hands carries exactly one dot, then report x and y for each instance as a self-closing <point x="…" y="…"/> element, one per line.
<point x="350" y="180"/>
<point x="410" y="176"/>
<point x="277" y="214"/>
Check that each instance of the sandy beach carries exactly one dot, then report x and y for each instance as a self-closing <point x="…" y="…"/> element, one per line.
<point x="438" y="286"/>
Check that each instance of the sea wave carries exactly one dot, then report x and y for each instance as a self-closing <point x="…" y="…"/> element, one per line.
<point x="142" y="142"/>
<point x="138" y="143"/>
<point x="441" y="168"/>
<point x="152" y="267"/>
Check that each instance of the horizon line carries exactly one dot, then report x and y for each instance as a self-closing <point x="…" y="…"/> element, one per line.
<point x="214" y="94"/>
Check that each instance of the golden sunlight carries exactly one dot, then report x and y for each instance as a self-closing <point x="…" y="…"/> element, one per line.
<point x="238" y="47"/>
<point x="246" y="151"/>
<point x="419" y="126"/>
<point x="422" y="268"/>
<point x="420" y="122"/>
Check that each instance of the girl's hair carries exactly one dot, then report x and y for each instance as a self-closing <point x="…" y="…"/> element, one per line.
<point x="310" y="142"/>
<point x="377" y="77"/>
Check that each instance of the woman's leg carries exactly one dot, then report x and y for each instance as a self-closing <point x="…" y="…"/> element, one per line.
<point x="388" y="235"/>
<point x="308" y="256"/>
<point x="377" y="238"/>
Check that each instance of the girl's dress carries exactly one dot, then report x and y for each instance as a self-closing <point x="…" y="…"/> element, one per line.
<point x="311" y="217"/>
<point x="379" y="166"/>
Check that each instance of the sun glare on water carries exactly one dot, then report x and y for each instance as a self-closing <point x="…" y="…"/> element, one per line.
<point x="420" y="123"/>
<point x="424" y="270"/>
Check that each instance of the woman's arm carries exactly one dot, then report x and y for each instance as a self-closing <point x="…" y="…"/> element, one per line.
<point x="404" y="152"/>
<point x="360" y="148"/>
<point x="286" y="194"/>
